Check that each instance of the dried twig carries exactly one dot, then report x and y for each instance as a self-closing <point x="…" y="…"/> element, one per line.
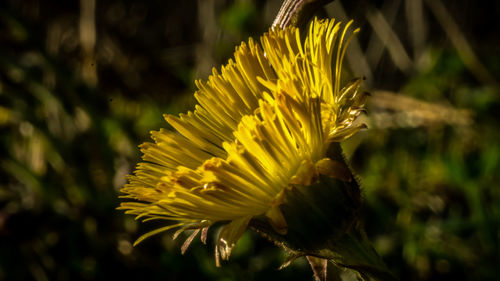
<point x="297" y="12"/>
<point x="88" y="40"/>
<point x="392" y="110"/>
<point x="390" y="40"/>
<point x="376" y="47"/>
<point x="458" y="40"/>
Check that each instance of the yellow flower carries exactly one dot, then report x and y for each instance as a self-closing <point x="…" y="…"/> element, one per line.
<point x="262" y="124"/>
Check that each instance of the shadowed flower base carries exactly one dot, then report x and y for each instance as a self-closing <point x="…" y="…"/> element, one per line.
<point x="323" y="222"/>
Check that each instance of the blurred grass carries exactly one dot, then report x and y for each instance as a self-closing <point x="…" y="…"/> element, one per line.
<point x="67" y="141"/>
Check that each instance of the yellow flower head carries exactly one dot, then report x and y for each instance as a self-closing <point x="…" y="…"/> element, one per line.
<point x="263" y="122"/>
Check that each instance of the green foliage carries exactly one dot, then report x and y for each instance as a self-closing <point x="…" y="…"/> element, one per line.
<point x="432" y="192"/>
<point x="239" y="17"/>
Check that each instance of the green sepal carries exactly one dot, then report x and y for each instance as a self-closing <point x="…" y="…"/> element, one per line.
<point x="323" y="221"/>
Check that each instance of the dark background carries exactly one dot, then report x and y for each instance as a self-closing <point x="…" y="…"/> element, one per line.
<point x="83" y="82"/>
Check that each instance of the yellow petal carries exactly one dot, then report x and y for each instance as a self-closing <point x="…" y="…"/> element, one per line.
<point x="228" y="237"/>
<point x="277" y="220"/>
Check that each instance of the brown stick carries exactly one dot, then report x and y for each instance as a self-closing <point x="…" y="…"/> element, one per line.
<point x="297" y="12"/>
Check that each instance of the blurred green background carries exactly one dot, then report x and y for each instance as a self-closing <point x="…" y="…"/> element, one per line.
<point x="83" y="82"/>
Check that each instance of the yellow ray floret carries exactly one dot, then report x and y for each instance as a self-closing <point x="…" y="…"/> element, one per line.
<point x="262" y="123"/>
